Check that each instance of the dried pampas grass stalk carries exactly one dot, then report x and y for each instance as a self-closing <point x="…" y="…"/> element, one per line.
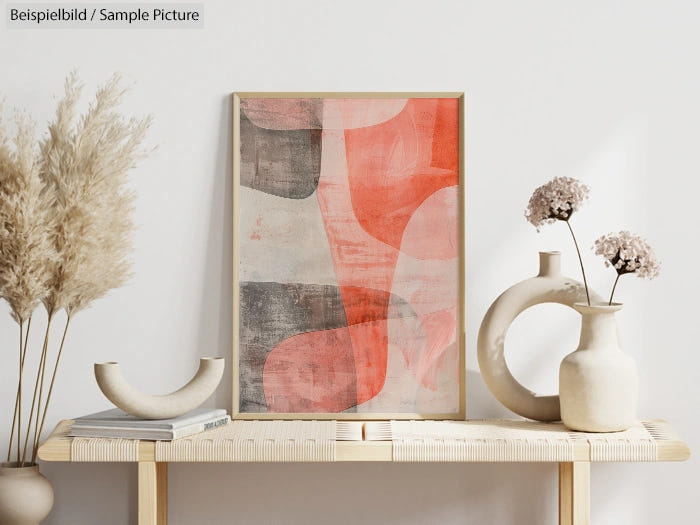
<point x="65" y="211"/>
<point x="86" y="165"/>
<point x="26" y="250"/>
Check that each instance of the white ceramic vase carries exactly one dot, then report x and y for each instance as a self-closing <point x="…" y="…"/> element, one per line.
<point x="146" y="406"/>
<point x="548" y="286"/>
<point x="598" y="384"/>
<point x="26" y="496"/>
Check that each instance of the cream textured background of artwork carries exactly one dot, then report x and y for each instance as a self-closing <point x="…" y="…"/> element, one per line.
<point x="283" y="240"/>
<point x="274" y="229"/>
<point x="604" y="91"/>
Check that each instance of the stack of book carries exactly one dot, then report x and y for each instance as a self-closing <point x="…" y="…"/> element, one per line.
<point x="116" y="423"/>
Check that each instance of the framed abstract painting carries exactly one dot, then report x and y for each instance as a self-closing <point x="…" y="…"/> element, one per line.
<point x="348" y="256"/>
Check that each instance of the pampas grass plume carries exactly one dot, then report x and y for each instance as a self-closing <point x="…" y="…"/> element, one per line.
<point x="86" y="161"/>
<point x="65" y="221"/>
<point x="26" y="250"/>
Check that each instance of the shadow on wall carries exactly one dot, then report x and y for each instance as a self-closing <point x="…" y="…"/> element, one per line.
<point x="314" y="494"/>
<point x="215" y="338"/>
<point x="367" y="493"/>
<point x="481" y="404"/>
<point x="83" y="491"/>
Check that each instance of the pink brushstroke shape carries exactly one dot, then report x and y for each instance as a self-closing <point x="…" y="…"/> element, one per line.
<point x="329" y="113"/>
<point x="352" y="113"/>
<point x="432" y="231"/>
<point x="326" y="371"/>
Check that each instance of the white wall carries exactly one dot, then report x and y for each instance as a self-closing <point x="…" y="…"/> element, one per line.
<point x="604" y="91"/>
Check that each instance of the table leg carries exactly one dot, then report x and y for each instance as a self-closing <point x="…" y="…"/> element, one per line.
<point x="153" y="493"/>
<point x="575" y="493"/>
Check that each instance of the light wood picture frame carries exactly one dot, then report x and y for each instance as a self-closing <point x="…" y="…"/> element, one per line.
<point x="348" y="256"/>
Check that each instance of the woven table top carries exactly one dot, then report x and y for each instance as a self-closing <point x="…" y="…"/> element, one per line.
<point x="400" y="441"/>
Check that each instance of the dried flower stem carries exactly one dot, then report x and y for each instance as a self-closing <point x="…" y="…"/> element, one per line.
<point x="42" y="365"/>
<point x="19" y="385"/>
<point x="21" y="374"/>
<point x="17" y="398"/>
<point x="580" y="260"/>
<point x="37" y="434"/>
<point x="613" y="289"/>
<point x="17" y="418"/>
<point x="41" y="395"/>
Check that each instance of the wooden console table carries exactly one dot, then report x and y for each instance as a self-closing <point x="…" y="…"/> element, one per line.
<point x="454" y="441"/>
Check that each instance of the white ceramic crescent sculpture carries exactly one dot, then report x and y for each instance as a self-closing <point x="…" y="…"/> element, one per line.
<point x="549" y="286"/>
<point x="136" y="403"/>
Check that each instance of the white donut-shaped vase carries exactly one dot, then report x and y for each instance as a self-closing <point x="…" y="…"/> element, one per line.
<point x="134" y="402"/>
<point x="549" y="286"/>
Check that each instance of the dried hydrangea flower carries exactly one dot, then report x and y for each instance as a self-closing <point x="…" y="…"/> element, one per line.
<point x="557" y="201"/>
<point x="627" y="253"/>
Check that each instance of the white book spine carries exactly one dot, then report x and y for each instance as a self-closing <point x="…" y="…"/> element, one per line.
<point x="199" y="427"/>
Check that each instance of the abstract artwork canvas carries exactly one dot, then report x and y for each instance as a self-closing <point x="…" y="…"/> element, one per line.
<point x="348" y="255"/>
